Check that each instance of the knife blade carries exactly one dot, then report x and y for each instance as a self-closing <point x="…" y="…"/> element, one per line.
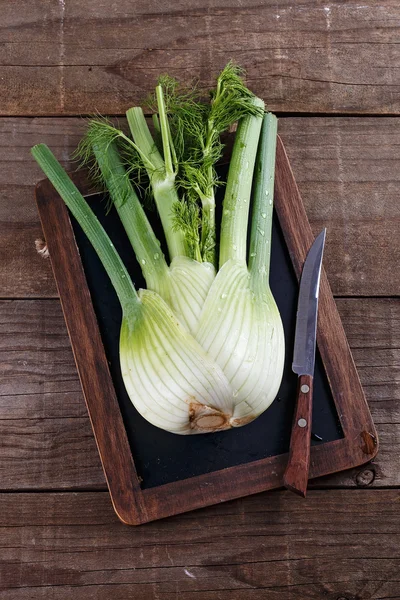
<point x="296" y="473"/>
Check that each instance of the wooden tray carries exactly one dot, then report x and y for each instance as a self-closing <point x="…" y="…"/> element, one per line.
<point x="212" y="468"/>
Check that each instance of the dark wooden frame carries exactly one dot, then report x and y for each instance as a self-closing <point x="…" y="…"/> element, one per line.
<point x="134" y="505"/>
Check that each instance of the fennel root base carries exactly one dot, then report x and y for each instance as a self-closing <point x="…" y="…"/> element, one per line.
<point x="204" y="419"/>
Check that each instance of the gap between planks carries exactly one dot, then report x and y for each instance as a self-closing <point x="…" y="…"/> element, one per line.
<point x="279" y="114"/>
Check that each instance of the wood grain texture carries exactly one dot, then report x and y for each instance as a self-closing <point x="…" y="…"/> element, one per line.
<point x="346" y="172"/>
<point x="45" y="433"/>
<point x="273" y="546"/>
<point x="346" y="169"/>
<point x="24" y="273"/>
<point x="73" y="57"/>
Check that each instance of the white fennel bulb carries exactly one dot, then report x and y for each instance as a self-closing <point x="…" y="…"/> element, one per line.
<point x="201" y="349"/>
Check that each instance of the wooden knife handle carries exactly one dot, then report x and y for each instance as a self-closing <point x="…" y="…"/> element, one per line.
<point x="296" y="474"/>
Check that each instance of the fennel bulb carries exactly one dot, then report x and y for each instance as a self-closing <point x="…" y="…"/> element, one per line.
<point x="201" y="350"/>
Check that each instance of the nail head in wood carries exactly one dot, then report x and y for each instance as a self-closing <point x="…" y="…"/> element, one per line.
<point x="365" y="477"/>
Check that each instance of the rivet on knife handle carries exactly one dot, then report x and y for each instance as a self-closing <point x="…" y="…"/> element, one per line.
<point x="296" y="474"/>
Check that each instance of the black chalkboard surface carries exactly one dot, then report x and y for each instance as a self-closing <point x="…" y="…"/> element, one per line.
<point x="161" y="457"/>
<point x="152" y="474"/>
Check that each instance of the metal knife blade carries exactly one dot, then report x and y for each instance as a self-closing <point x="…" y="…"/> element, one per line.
<point x="307" y="309"/>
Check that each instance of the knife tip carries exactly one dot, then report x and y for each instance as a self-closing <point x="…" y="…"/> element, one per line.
<point x="322" y="235"/>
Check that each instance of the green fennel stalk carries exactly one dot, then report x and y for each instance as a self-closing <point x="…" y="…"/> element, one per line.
<point x="92" y="228"/>
<point x="161" y="174"/>
<point x="185" y="295"/>
<point x="261" y="226"/>
<point x="238" y="189"/>
<point x="134" y="219"/>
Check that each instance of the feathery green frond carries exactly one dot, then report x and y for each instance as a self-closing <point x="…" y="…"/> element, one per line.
<point x="231" y="100"/>
<point x="187" y="219"/>
<point x="100" y="132"/>
<point x="195" y="129"/>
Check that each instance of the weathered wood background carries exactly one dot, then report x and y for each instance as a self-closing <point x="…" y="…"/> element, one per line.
<point x="332" y="71"/>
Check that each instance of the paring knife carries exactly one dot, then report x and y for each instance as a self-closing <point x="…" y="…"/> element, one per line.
<point x="296" y="474"/>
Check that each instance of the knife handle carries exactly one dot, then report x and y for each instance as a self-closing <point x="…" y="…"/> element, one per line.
<point x="296" y="473"/>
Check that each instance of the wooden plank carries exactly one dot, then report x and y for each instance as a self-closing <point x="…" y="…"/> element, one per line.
<point x="336" y="544"/>
<point x="46" y="437"/>
<point x="346" y="169"/>
<point x="24" y="272"/>
<point x="49" y="454"/>
<point x="43" y="420"/>
<point x="78" y="58"/>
